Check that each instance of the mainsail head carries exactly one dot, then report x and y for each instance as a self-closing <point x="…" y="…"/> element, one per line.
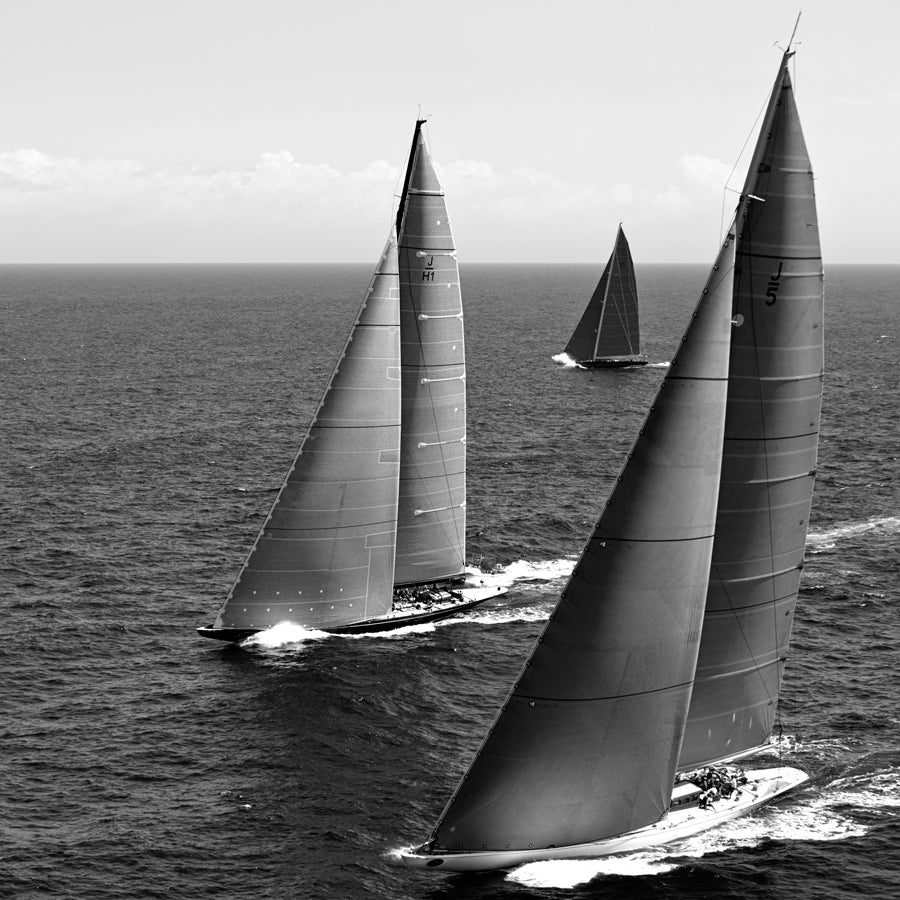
<point x="586" y="744"/>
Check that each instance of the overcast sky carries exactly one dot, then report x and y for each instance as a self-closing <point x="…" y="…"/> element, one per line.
<point x="276" y="130"/>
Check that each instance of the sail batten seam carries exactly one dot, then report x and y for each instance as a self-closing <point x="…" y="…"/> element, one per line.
<point x="675" y="686"/>
<point x="602" y="539"/>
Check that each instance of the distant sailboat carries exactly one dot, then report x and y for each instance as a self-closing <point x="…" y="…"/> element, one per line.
<point x="368" y="530"/>
<point x="609" y="333"/>
<point x="662" y="661"/>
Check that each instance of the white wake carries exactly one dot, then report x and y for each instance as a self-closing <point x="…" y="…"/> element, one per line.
<point x="815" y="814"/>
<point x="825" y="540"/>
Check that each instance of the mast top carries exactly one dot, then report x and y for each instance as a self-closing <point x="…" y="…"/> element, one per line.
<point x="788" y="53"/>
<point x="401" y="207"/>
<point x="794" y="32"/>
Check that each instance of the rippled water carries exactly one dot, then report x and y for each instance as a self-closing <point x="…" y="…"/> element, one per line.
<point x="148" y="414"/>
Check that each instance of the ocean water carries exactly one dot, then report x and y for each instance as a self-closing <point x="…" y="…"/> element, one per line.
<point x="148" y="414"/>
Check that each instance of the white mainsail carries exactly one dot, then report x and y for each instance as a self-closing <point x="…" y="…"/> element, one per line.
<point x="771" y="441"/>
<point x="431" y="531"/>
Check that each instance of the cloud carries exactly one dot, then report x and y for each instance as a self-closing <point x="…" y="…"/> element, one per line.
<point x="278" y="207"/>
<point x="469" y="169"/>
<point x="622" y="194"/>
<point x="855" y="98"/>
<point x="523" y="190"/>
<point x="29" y="176"/>
<point x="672" y="199"/>
<point x="277" y="178"/>
<point x="704" y="171"/>
<point x="28" y="173"/>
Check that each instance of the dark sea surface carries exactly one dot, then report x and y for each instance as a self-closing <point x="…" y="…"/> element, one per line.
<point x="148" y="415"/>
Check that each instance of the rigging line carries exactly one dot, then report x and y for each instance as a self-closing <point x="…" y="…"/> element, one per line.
<point x="612" y="267"/>
<point x="395" y="196"/>
<point x="726" y="189"/>
<point x="620" y="313"/>
<point x="400" y="184"/>
<point x="627" y="286"/>
<point x="632" y="291"/>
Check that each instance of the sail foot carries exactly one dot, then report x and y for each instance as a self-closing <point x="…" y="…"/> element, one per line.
<point x="519" y="794"/>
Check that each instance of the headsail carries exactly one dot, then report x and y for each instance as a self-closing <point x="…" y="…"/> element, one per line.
<point x="432" y="507"/>
<point x="609" y="329"/>
<point x="771" y="439"/>
<point x="587" y="742"/>
<point x="325" y="555"/>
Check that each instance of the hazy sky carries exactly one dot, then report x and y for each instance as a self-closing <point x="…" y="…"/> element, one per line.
<point x="275" y="130"/>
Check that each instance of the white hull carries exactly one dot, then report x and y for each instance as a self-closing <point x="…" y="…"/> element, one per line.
<point x="763" y="786"/>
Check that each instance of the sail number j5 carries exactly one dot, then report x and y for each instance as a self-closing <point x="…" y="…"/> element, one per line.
<point x="773" y="286"/>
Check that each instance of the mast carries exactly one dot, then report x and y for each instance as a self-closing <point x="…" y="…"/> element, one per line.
<point x="401" y="206"/>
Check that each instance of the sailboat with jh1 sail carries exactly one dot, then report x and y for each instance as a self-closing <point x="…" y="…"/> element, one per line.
<point x="368" y="530"/>
<point x="609" y="332"/>
<point x="661" y="663"/>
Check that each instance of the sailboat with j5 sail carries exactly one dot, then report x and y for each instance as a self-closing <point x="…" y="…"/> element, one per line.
<point x="367" y="532"/>
<point x="662" y="662"/>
